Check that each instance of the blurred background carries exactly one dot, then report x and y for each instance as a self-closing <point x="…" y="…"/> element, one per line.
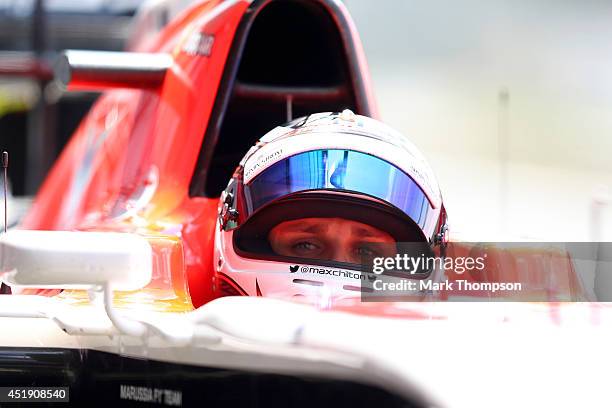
<point x="508" y="100"/>
<point x="511" y="102"/>
<point x="36" y="119"/>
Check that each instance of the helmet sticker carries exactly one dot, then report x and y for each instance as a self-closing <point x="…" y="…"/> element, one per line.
<point x="261" y="160"/>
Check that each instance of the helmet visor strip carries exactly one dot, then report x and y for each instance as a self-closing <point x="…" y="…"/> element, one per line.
<point x="341" y="170"/>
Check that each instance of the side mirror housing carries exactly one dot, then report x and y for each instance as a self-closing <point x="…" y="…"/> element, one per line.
<point x="75" y="259"/>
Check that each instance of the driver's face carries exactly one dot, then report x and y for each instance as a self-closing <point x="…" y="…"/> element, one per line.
<point x="334" y="239"/>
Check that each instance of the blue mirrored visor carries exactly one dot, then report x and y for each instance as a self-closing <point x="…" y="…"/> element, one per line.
<point x="340" y="170"/>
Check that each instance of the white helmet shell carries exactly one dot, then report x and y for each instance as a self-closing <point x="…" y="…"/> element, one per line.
<point x="358" y="161"/>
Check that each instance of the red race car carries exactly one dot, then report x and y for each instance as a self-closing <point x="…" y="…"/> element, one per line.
<point x="155" y="158"/>
<point x="115" y="288"/>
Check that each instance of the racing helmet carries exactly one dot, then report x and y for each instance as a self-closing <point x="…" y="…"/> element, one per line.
<point x="322" y="166"/>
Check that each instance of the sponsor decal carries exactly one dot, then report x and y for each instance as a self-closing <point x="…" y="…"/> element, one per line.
<point x="332" y="272"/>
<point x="259" y="161"/>
<point x="151" y="395"/>
<point x="199" y="44"/>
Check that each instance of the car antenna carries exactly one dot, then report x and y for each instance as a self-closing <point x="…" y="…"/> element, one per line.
<point x="289" y="107"/>
<point x="4" y="289"/>
<point x="5" y="161"/>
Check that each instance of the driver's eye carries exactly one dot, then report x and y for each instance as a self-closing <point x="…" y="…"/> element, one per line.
<point x="305" y="247"/>
<point x="366" y="251"/>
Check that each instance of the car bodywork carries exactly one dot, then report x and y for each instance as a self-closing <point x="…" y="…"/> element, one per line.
<point x="155" y="161"/>
<point x="152" y="160"/>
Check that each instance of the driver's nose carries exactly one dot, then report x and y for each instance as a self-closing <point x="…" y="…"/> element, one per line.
<point x="342" y="254"/>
